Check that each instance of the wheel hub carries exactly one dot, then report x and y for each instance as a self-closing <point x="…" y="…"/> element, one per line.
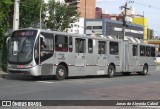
<point x="61" y="72"/>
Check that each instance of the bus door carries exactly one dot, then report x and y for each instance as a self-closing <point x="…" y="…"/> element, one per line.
<point x="134" y="61"/>
<point x="101" y="53"/>
<point x="114" y="54"/>
<point x="80" y="46"/>
<point x="46" y="53"/>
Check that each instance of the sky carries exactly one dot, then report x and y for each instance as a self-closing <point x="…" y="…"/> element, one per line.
<point x="150" y="8"/>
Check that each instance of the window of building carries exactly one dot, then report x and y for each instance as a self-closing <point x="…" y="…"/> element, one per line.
<point x="135" y="50"/>
<point x="142" y="50"/>
<point x="148" y="51"/>
<point x="153" y="52"/>
<point x="97" y="27"/>
<point x="113" y="46"/>
<point x="80" y="45"/>
<point x="101" y="47"/>
<point x="90" y="46"/>
<point x="61" y="43"/>
<point x="89" y="27"/>
<point x="71" y="25"/>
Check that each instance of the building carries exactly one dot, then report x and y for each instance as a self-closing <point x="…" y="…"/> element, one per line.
<point x="77" y="27"/>
<point x="144" y="22"/>
<point x="107" y="27"/>
<point x="100" y="14"/>
<point x="86" y="8"/>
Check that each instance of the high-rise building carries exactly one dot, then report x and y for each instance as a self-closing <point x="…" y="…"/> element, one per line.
<point x="86" y="8"/>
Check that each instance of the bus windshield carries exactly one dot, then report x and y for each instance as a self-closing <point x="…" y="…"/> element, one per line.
<point x="20" y="46"/>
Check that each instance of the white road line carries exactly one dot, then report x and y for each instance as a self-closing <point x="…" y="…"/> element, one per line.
<point x="44" y="81"/>
<point x="8" y="86"/>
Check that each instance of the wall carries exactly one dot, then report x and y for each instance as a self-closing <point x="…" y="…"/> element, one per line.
<point x="142" y="21"/>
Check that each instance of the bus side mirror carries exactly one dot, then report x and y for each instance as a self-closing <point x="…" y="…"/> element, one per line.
<point x="7" y="40"/>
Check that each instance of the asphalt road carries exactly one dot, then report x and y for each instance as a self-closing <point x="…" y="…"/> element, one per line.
<point x="133" y="87"/>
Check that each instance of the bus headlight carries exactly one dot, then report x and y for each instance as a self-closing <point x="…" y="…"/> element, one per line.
<point x="28" y="66"/>
<point x="9" y="65"/>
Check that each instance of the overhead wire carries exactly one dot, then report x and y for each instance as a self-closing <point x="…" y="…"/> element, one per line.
<point x="147" y="5"/>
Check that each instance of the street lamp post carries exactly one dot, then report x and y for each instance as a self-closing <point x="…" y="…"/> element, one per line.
<point x="40" y="19"/>
<point x="16" y="15"/>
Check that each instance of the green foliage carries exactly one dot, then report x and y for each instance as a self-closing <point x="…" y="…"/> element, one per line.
<point x="30" y="13"/>
<point x="5" y="18"/>
<point x="60" y="15"/>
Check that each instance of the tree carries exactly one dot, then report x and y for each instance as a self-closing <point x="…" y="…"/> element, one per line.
<point x="5" y="18"/>
<point x="30" y="13"/>
<point x="60" y="15"/>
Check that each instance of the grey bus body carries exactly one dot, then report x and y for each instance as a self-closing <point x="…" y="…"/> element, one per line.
<point x="76" y="55"/>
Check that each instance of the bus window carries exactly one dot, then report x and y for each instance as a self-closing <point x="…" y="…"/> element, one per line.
<point x="46" y="47"/>
<point x="101" y="47"/>
<point x="46" y="41"/>
<point x="148" y="51"/>
<point x="135" y="50"/>
<point x="90" y="46"/>
<point x="61" y="43"/>
<point x="80" y="45"/>
<point x="114" y="48"/>
<point x="142" y="50"/>
<point x="70" y="44"/>
<point x="153" y="52"/>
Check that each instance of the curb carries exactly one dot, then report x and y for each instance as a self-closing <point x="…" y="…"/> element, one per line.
<point x="3" y="74"/>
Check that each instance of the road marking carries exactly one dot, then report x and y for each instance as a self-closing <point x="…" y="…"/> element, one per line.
<point x="44" y="81"/>
<point x="8" y="86"/>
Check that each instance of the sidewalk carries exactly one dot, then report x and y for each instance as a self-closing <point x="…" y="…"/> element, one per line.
<point x="2" y="73"/>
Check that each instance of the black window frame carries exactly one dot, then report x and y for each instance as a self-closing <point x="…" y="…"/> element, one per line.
<point x="114" y="48"/>
<point x="134" y="50"/>
<point x="70" y="43"/>
<point x="63" y="45"/>
<point x="142" y="50"/>
<point x="90" y="46"/>
<point x="80" y="45"/>
<point x="153" y="51"/>
<point x="148" y="51"/>
<point x="101" y="47"/>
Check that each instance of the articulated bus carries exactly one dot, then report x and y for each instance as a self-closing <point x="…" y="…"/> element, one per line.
<point x="38" y="52"/>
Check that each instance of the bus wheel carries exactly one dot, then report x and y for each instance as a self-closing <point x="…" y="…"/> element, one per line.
<point x="111" y="71"/>
<point x="61" y="72"/>
<point x="145" y="70"/>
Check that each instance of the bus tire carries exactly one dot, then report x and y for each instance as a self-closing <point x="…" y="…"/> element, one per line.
<point x="111" y="71"/>
<point x="145" y="70"/>
<point x="61" y="72"/>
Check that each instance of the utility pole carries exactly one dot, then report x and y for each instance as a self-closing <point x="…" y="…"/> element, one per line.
<point x="16" y="15"/>
<point x="40" y="22"/>
<point x="124" y="19"/>
<point x="125" y="7"/>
